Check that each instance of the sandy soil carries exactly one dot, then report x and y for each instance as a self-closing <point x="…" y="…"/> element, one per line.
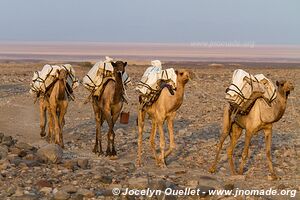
<point x="197" y="128"/>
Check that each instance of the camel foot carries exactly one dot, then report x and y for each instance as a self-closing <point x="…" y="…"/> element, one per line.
<point x="113" y="157"/>
<point x="95" y="150"/>
<point x="163" y="165"/>
<point x="108" y="152"/>
<point x="42" y="134"/>
<point x="138" y="163"/>
<point x="114" y="152"/>
<point x="212" y="170"/>
<point x="100" y="153"/>
<point x="272" y="177"/>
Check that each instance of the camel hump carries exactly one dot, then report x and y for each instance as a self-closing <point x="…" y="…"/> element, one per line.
<point x="246" y="88"/>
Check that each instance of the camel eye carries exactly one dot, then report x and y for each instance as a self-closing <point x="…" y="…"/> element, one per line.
<point x="181" y="73"/>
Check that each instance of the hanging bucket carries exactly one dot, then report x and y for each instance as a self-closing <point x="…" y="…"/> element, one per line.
<point x="124" y="117"/>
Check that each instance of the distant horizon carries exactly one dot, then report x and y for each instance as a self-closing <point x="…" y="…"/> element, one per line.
<point x="85" y="51"/>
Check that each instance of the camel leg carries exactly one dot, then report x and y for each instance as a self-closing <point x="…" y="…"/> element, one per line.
<point x="268" y="140"/>
<point x="56" y="125"/>
<point x="115" y="118"/>
<point x="162" y="143"/>
<point x="50" y="138"/>
<point x="225" y="132"/>
<point x="236" y="133"/>
<point x="152" y="140"/>
<point x="141" y="123"/>
<point x="248" y="137"/>
<point x="63" y="111"/>
<point x="109" y="120"/>
<point x="43" y="117"/>
<point x="99" y="122"/>
<point x="170" y="122"/>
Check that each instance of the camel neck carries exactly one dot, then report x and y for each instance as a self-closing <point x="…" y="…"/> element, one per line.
<point x="280" y="104"/>
<point x="118" y="94"/>
<point x="61" y="89"/>
<point x="180" y="92"/>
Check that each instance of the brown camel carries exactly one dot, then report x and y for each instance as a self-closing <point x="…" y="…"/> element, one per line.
<point x="108" y="107"/>
<point x="163" y="109"/>
<point x="260" y="117"/>
<point x="58" y="104"/>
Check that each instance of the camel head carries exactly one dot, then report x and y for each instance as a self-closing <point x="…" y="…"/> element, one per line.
<point x="285" y="87"/>
<point x="183" y="75"/>
<point x="119" y="66"/>
<point x="62" y="74"/>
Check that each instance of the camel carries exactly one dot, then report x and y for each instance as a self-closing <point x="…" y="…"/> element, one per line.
<point x="164" y="108"/>
<point x="260" y="117"/>
<point x="107" y="107"/>
<point x="57" y="107"/>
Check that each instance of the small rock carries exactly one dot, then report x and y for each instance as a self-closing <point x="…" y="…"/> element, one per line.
<point x="46" y="190"/>
<point x="192" y="183"/>
<point x="70" y="164"/>
<point x="4" y="164"/>
<point x="51" y="152"/>
<point x="69" y="189"/>
<point x="138" y="183"/>
<point x="83" y="163"/>
<point x="105" y="179"/>
<point x="18" y="192"/>
<point x="24" y="146"/>
<point x="120" y="132"/>
<point x="43" y="183"/>
<point x="7" y="140"/>
<point x="61" y="195"/>
<point x="1" y="136"/>
<point x="238" y="177"/>
<point x="157" y="184"/>
<point x="229" y="186"/>
<point x="3" y="152"/>
<point x="86" y="193"/>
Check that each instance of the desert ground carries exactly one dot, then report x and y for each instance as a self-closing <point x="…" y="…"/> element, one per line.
<point x="82" y="174"/>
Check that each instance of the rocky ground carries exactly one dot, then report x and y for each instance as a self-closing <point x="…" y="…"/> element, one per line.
<point x="31" y="169"/>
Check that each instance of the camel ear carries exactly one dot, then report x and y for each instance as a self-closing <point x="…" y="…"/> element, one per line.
<point x="176" y="72"/>
<point x="113" y="64"/>
<point x="277" y="83"/>
<point x="125" y="64"/>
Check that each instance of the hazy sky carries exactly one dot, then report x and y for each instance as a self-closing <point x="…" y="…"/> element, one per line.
<point x="259" y="21"/>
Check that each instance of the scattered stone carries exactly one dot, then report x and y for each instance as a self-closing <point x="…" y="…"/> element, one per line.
<point x="43" y="183"/>
<point x="69" y="189"/>
<point x="229" y="186"/>
<point x="46" y="190"/>
<point x="1" y="136"/>
<point x="192" y="183"/>
<point x="105" y="179"/>
<point x="86" y="193"/>
<point x="7" y="140"/>
<point x="70" y="164"/>
<point x="83" y="163"/>
<point x="138" y="183"/>
<point x="4" y="164"/>
<point x="18" y="192"/>
<point x="24" y="146"/>
<point x="61" y="195"/>
<point x="157" y="184"/>
<point x="51" y="153"/>
<point x="3" y="152"/>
